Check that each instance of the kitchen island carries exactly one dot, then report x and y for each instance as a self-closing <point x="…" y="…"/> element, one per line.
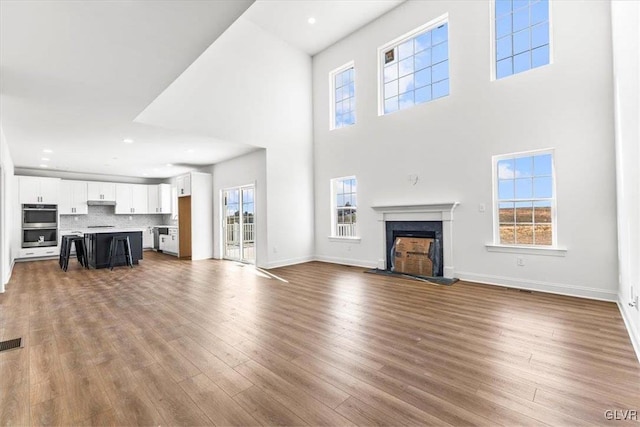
<point x="98" y="243"/>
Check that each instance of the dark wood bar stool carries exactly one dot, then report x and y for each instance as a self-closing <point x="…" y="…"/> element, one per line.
<point x="65" y="251"/>
<point x="113" y="250"/>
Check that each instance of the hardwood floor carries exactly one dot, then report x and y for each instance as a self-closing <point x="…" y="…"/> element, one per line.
<point x="174" y="342"/>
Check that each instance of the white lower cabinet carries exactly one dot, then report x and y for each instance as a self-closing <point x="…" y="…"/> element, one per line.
<point x="169" y="242"/>
<point x="50" y="251"/>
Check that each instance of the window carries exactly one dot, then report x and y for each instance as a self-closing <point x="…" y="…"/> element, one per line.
<point x="522" y="35"/>
<point x="344" y="206"/>
<point x="525" y="199"/>
<point x="415" y="68"/>
<point x="343" y="97"/>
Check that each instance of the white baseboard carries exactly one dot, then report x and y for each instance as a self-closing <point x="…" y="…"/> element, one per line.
<point x="346" y="261"/>
<point x="286" y="262"/>
<point x="634" y="334"/>
<point x="535" y="285"/>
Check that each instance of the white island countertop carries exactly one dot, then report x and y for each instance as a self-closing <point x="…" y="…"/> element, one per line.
<point x="103" y="230"/>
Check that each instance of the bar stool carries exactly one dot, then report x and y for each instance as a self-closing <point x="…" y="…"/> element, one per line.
<point x="65" y="251"/>
<point x="113" y="250"/>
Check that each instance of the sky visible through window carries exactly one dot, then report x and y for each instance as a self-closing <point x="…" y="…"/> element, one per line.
<point x="416" y="70"/>
<point x="525" y="200"/>
<point x="346" y="205"/>
<point x="522" y="35"/>
<point x="345" y="98"/>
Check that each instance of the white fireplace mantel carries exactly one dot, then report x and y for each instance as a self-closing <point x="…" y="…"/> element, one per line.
<point x="420" y="212"/>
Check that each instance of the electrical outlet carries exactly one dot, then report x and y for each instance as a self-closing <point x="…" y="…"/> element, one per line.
<point x="520" y="261"/>
<point x="275" y="249"/>
<point x="130" y="218"/>
<point x="482" y="207"/>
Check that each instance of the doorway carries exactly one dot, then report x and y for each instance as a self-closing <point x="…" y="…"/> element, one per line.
<point x="239" y="224"/>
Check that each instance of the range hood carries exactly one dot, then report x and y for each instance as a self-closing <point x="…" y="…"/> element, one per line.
<point x="101" y="203"/>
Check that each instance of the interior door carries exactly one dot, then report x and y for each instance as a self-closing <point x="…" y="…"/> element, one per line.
<point x="239" y="224"/>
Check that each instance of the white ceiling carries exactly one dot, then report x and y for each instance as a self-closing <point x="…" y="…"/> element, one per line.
<point x="75" y="74"/>
<point x="334" y="19"/>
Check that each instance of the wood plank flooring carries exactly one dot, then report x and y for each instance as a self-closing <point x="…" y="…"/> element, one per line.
<point x="176" y="342"/>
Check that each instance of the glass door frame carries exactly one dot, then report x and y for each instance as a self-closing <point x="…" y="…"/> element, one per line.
<point x="224" y="224"/>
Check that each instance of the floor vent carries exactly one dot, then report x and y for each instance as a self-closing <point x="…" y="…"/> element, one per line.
<point x="10" y="344"/>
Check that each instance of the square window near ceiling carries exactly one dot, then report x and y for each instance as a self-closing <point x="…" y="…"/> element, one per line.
<point x="342" y="81"/>
<point x="420" y="73"/>
<point x="521" y="36"/>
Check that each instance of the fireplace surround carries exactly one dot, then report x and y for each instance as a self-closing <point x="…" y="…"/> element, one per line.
<point x="428" y="213"/>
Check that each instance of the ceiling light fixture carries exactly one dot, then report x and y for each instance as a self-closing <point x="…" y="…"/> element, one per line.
<point x="190" y="150"/>
<point x="46" y="150"/>
<point x="128" y="141"/>
<point x="44" y="166"/>
<point x="311" y="20"/>
<point x="44" y="159"/>
<point x="170" y="165"/>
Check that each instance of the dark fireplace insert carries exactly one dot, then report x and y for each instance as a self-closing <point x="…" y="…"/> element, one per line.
<point x="416" y="229"/>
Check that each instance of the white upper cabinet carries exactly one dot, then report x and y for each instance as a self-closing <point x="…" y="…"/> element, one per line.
<point x="34" y="190"/>
<point x="140" y="199"/>
<point x="101" y="191"/>
<point x="184" y="185"/>
<point x="73" y="198"/>
<point x="160" y="199"/>
<point x="132" y="199"/>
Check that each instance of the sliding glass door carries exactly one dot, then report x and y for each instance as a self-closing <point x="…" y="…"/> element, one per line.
<point x="239" y="223"/>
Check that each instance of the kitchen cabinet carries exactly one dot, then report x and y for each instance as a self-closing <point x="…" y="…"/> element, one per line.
<point x="160" y="199"/>
<point x="98" y="244"/>
<point x="132" y="199"/>
<point x="36" y="190"/>
<point x="51" y="251"/>
<point x="195" y="218"/>
<point x="184" y="185"/>
<point x="73" y="198"/>
<point x="101" y="191"/>
<point x="169" y="242"/>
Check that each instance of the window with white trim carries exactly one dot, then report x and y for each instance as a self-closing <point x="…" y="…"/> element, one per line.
<point x="521" y="35"/>
<point x="524" y="199"/>
<point x="344" y="206"/>
<point x="415" y="68"/>
<point x="343" y="96"/>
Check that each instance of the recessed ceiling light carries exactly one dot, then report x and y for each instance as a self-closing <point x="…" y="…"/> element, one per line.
<point x="44" y="159"/>
<point x="128" y="141"/>
<point x="44" y="166"/>
<point x="190" y="150"/>
<point x="46" y="150"/>
<point x="169" y="164"/>
<point x="145" y="174"/>
<point x="311" y="20"/>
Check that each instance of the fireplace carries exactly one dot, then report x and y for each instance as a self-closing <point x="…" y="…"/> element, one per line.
<point x="433" y="220"/>
<point x="415" y="229"/>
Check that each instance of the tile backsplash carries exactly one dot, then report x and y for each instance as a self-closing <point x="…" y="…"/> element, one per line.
<point x="105" y="215"/>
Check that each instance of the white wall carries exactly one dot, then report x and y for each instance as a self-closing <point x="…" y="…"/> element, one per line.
<point x="245" y="170"/>
<point x="626" y="65"/>
<point x="449" y="143"/>
<point x="7" y="221"/>
<point x="260" y="95"/>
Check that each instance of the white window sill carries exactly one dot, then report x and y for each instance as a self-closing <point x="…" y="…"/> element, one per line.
<point x="345" y="239"/>
<point x="530" y="250"/>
